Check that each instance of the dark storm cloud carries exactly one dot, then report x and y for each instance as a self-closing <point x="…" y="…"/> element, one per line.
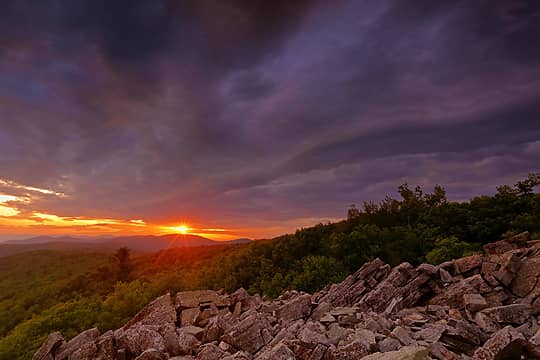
<point x="237" y="110"/>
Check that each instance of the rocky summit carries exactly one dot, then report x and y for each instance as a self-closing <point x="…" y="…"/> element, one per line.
<point x="478" y="307"/>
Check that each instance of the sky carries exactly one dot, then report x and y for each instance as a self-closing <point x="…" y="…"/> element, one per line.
<point x="251" y="118"/>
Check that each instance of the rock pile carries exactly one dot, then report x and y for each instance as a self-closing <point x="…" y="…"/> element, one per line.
<point x="480" y="307"/>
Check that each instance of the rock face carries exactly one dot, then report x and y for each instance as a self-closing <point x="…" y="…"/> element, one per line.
<point x="481" y="306"/>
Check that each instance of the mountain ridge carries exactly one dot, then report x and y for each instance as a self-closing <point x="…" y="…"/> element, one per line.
<point x="138" y="243"/>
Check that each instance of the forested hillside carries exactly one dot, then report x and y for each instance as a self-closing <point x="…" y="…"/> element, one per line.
<point x="47" y="291"/>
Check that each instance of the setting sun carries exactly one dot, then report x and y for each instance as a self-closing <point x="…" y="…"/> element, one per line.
<point x="182" y="229"/>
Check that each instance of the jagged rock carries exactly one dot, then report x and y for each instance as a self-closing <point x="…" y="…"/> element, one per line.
<point x="515" y="314"/>
<point x="296" y="309"/>
<point x="189" y="316"/>
<point x="45" y="352"/>
<point x="250" y="335"/>
<point x="526" y="277"/>
<point x="312" y="334"/>
<point x="390" y="288"/>
<point x="402" y="312"/>
<point x="240" y="355"/>
<point x="138" y="338"/>
<point x="105" y="346"/>
<point x="159" y="312"/>
<point x="453" y="295"/>
<point x="474" y="302"/>
<point x="463" y="337"/>
<point x="200" y="298"/>
<point x="504" y="344"/>
<point x="467" y="264"/>
<point x="515" y="242"/>
<point x="279" y="352"/>
<point x="66" y="349"/>
<point x="196" y="331"/>
<point x="440" y="352"/>
<point x="152" y="354"/>
<point x="389" y="344"/>
<point x="356" y="349"/>
<point x="211" y="352"/>
<point x="354" y="286"/>
<point x="86" y="351"/>
<point x="405" y="353"/>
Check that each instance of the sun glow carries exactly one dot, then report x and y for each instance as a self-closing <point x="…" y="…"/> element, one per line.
<point x="182" y="229"/>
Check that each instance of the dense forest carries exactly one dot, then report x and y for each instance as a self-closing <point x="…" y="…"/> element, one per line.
<point x="45" y="291"/>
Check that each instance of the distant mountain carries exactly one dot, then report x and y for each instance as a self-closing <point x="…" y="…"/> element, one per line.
<point x="49" y="239"/>
<point x="145" y="243"/>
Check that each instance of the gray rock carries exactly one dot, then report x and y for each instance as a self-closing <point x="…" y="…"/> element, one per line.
<point x="46" y="350"/>
<point x="152" y="354"/>
<point x="248" y="335"/>
<point x="279" y="352"/>
<point x="504" y="344"/>
<point x="296" y="309"/>
<point x="66" y="349"/>
<point x="159" y="312"/>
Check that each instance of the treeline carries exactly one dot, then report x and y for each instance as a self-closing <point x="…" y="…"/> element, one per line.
<point x="418" y="227"/>
<point x="105" y="291"/>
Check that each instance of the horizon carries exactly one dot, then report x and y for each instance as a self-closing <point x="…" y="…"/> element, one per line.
<point x="254" y="119"/>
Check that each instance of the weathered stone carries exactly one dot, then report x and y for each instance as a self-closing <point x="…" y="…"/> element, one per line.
<point x="189" y="316"/>
<point x="405" y="353"/>
<point x="509" y="267"/>
<point x="440" y="352"/>
<point x="389" y="344"/>
<point x="474" y="302"/>
<point x="319" y="352"/>
<point x="66" y="349"/>
<point x="445" y="276"/>
<point x="105" y="346"/>
<point x="196" y="331"/>
<point x="312" y="334"/>
<point x="86" y="351"/>
<point x="431" y="333"/>
<point x="463" y="337"/>
<point x="239" y="355"/>
<point x="467" y="264"/>
<point x="247" y="335"/>
<point x="279" y="352"/>
<point x="210" y="352"/>
<point x="515" y="314"/>
<point x="402" y="335"/>
<point x="356" y="349"/>
<point x="350" y="290"/>
<point x="152" y="354"/>
<point x="504" y="344"/>
<point x="200" y="298"/>
<point x="320" y="310"/>
<point x="453" y="295"/>
<point x="389" y="289"/>
<point x="515" y="242"/>
<point x="159" y="312"/>
<point x="138" y="338"/>
<point x="296" y="309"/>
<point x="526" y="277"/>
<point x="46" y="350"/>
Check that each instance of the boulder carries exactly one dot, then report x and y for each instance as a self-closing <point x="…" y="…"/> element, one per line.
<point x="490" y="319"/>
<point x="66" y="349"/>
<point x="350" y="290"/>
<point x="504" y="344"/>
<point x="159" y="312"/>
<point x="474" y="302"/>
<point x="138" y="338"/>
<point x="105" y="346"/>
<point x="200" y="298"/>
<point x="298" y="308"/>
<point x="210" y="352"/>
<point x="250" y="335"/>
<point x="278" y="352"/>
<point x="526" y="277"/>
<point x="356" y="349"/>
<point x="405" y="353"/>
<point x="152" y="354"/>
<point x="46" y="351"/>
<point x="467" y="264"/>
